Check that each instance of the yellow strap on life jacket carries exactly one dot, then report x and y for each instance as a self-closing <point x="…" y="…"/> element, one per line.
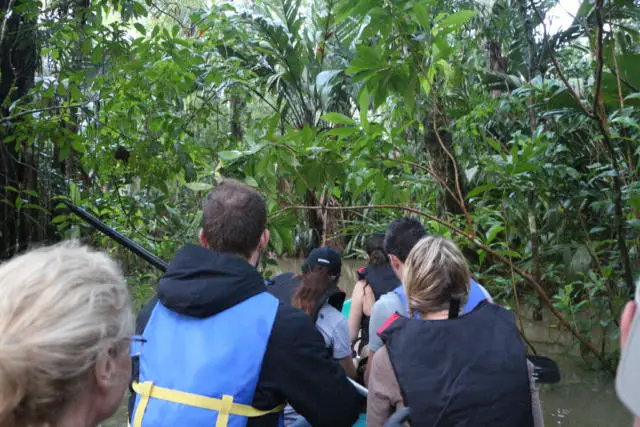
<point x="224" y="406"/>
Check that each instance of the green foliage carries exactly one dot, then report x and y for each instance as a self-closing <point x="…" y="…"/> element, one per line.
<point x="140" y="107"/>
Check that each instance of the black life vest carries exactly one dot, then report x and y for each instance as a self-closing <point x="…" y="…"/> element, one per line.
<point x="381" y="279"/>
<point x="465" y="372"/>
<point x="283" y="287"/>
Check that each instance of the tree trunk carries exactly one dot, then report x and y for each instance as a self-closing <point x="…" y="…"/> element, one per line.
<point x="238" y="104"/>
<point x="18" y="61"/>
<point x="438" y="144"/>
<point x="314" y="219"/>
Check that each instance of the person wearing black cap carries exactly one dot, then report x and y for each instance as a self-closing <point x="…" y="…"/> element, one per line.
<point x="318" y="295"/>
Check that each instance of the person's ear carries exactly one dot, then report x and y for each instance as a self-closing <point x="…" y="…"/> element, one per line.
<point x="394" y="261"/>
<point x="264" y="240"/>
<point x="203" y="239"/>
<point x="104" y="370"/>
<point x="396" y="265"/>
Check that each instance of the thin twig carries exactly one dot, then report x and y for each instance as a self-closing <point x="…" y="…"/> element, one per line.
<point x="601" y="117"/>
<point x="599" y="57"/>
<point x="41" y="110"/>
<point x="5" y="19"/>
<point x="556" y="65"/>
<point x="429" y="171"/>
<point x="617" y="73"/>
<point x="595" y="259"/>
<point x="170" y="15"/>
<point x="526" y="276"/>
<point x="519" y="314"/>
<point x="457" y="177"/>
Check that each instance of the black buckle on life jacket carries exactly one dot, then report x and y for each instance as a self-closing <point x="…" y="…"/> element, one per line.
<point x="454" y="308"/>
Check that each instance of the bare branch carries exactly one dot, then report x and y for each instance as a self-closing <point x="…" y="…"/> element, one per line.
<point x="41" y="110"/>
<point x="5" y="18"/>
<point x="556" y="65"/>
<point x="599" y="57"/>
<point x="169" y="14"/>
<point x="426" y="169"/>
<point x="603" y="124"/>
<point x="457" y="176"/>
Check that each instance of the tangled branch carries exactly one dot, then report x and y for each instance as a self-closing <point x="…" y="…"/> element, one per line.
<point x="528" y="278"/>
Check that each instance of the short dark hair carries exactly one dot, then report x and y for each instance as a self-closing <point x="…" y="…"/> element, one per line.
<point x="402" y="236"/>
<point x="375" y="249"/>
<point x="233" y="218"/>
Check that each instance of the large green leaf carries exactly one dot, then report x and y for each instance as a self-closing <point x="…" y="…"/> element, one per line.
<point x="368" y="59"/>
<point x="230" y="155"/>
<point x="457" y="19"/>
<point x="363" y="102"/>
<point x="421" y="15"/>
<point x="338" y="118"/>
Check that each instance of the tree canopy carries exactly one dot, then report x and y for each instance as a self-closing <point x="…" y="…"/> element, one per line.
<point x="519" y="144"/>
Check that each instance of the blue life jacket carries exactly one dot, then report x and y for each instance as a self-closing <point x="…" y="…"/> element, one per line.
<point x="477" y="294"/>
<point x="203" y="372"/>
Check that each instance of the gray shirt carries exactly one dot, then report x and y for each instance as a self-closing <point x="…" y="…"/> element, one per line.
<point x="335" y="330"/>
<point x="385" y="307"/>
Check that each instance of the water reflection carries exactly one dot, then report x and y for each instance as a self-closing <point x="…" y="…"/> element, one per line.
<point x="348" y="276"/>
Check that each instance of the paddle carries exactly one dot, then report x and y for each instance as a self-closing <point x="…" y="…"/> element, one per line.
<point x="545" y="369"/>
<point x="399" y="417"/>
<point x="362" y="390"/>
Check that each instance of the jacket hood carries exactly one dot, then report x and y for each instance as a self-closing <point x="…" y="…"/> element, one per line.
<point x="200" y="282"/>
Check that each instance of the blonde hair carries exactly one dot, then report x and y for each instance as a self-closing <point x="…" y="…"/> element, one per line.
<point x="61" y="308"/>
<point x="435" y="272"/>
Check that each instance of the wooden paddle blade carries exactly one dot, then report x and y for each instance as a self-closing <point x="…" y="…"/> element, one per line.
<point x="546" y="370"/>
<point x="399" y="417"/>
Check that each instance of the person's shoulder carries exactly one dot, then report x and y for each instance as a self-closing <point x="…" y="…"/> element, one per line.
<point x="291" y="324"/>
<point x="329" y="315"/>
<point x="482" y="290"/>
<point x="145" y="314"/>
<point x="287" y="313"/>
<point x="388" y="304"/>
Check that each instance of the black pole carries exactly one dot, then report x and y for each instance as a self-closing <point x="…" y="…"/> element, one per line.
<point x="110" y="232"/>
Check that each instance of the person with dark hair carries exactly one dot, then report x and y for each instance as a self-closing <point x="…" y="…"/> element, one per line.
<point x="318" y="295"/>
<point x="318" y="286"/>
<point x="375" y="279"/>
<point x="221" y="351"/>
<point x="401" y="237"/>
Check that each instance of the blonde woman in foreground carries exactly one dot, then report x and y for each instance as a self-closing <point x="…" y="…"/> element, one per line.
<point x="450" y="369"/>
<point x="65" y="335"/>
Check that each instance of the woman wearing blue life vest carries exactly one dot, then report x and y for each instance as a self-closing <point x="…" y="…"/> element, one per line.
<point x="451" y="368"/>
<point x="375" y="279"/>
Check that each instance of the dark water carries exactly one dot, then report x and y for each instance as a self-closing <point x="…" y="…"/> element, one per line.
<point x="584" y="398"/>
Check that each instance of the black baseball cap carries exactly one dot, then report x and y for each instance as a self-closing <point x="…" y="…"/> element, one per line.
<point x="324" y="257"/>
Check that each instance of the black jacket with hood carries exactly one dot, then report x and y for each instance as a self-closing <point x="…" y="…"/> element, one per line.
<point x="296" y="367"/>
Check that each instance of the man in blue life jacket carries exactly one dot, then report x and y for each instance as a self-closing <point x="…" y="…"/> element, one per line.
<point x="219" y="350"/>
<point x="401" y="237"/>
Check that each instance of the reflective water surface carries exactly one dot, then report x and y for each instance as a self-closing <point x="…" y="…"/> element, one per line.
<point x="583" y="398"/>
